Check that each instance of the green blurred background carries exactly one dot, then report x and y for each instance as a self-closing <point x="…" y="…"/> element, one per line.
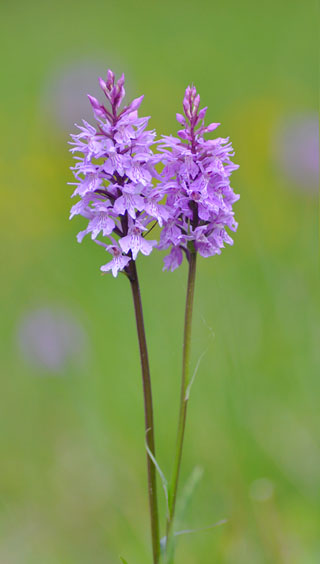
<point x="73" y="480"/>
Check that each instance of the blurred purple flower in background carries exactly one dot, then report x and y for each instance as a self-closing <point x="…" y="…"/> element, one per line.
<point x="196" y="181"/>
<point x="295" y="149"/>
<point x="51" y="338"/>
<point x="114" y="177"/>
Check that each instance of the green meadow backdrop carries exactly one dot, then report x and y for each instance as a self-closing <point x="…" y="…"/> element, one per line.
<point x="73" y="477"/>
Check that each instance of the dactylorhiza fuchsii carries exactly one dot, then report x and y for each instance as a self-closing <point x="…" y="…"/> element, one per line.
<point x="114" y="175"/>
<point x="196" y="182"/>
<point x="192" y="202"/>
<point x="122" y="196"/>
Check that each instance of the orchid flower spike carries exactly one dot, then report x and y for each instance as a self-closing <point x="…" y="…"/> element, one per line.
<point x="114" y="175"/>
<point x="196" y="183"/>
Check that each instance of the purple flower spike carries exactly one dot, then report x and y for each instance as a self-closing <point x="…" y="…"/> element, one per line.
<point x="114" y="177"/>
<point x="196" y="182"/>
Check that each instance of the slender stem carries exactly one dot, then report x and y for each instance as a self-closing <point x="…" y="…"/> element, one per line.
<point x="148" y="411"/>
<point x="184" y="394"/>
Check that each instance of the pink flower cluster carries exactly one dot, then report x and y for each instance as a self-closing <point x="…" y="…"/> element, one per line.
<point x="196" y="182"/>
<point x="114" y="177"/>
<point x="192" y="201"/>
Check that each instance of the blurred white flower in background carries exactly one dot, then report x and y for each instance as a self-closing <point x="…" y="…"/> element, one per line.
<point x="261" y="489"/>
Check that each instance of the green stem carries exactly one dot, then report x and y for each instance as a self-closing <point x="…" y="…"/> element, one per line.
<point x="183" y="398"/>
<point x="148" y="411"/>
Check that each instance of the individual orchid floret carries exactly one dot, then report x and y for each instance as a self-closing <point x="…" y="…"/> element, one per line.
<point x="196" y="183"/>
<point x="119" y="261"/>
<point x="135" y="241"/>
<point x="114" y="174"/>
